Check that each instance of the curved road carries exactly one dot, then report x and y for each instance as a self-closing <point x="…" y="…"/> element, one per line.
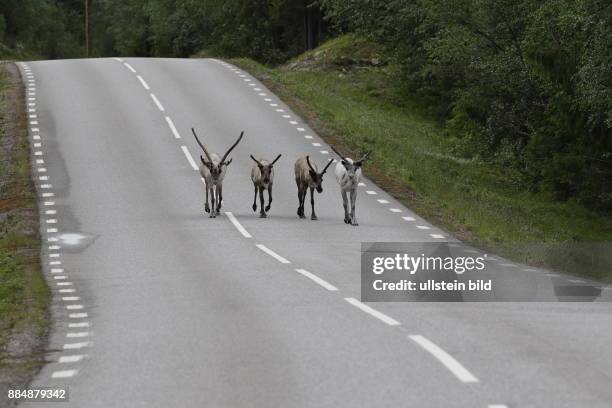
<point x="155" y="305"/>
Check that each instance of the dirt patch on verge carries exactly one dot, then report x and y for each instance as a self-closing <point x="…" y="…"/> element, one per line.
<point x="24" y="295"/>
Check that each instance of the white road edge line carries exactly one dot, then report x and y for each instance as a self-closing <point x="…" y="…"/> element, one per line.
<point x="272" y="254"/>
<point x="64" y="374"/>
<point x="192" y="162"/>
<point x="143" y="82"/>
<point x="71" y="359"/>
<point x="372" y="312"/>
<point x="237" y="224"/>
<point x="173" y="128"/>
<point x="442" y="356"/>
<point x="316" y="279"/>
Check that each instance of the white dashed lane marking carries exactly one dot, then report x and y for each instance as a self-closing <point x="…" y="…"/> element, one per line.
<point x="272" y="254"/>
<point x="372" y="312"/>
<point x="159" y="105"/>
<point x="129" y="67"/>
<point x="317" y="280"/>
<point x="172" y="128"/>
<point x="237" y="224"/>
<point x="446" y="359"/>
<point x="143" y="82"/>
<point x="192" y="162"/>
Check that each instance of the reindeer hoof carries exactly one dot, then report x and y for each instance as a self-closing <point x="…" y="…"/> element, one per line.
<point x="267" y="208"/>
<point x="254" y="207"/>
<point x="263" y="215"/>
<point x="354" y="224"/>
<point x="347" y="220"/>
<point x="313" y="217"/>
<point x="302" y="216"/>
<point x="207" y="208"/>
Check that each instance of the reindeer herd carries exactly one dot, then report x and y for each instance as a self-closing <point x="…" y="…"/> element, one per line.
<point x="307" y="177"/>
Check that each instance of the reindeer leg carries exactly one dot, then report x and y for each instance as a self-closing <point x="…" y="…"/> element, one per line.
<point x="255" y="199"/>
<point x="353" y="201"/>
<point x="347" y="218"/>
<point x="313" y="216"/>
<point x="301" y="196"/>
<point x="269" y="197"/>
<point x="219" y="197"/>
<point x="262" y="213"/>
<point x="212" y="202"/>
<point x="206" y="206"/>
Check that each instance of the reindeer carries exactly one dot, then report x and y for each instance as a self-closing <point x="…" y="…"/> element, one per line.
<point x="213" y="171"/>
<point x="348" y="175"/>
<point x="307" y="176"/>
<point x="262" y="175"/>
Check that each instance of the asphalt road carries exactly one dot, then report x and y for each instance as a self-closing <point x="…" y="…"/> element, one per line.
<point x="156" y="305"/>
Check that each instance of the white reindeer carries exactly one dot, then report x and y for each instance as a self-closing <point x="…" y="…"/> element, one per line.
<point x="348" y="175"/>
<point x="213" y="171"/>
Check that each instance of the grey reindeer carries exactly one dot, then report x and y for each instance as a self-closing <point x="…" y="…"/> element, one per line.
<point x="213" y="171"/>
<point x="348" y="175"/>
<point x="307" y="177"/>
<point x="262" y="176"/>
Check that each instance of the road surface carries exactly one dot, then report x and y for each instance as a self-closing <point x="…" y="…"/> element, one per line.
<point x="156" y="305"/>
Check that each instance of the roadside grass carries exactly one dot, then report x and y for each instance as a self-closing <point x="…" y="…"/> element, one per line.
<point x="356" y="104"/>
<point x="24" y="295"/>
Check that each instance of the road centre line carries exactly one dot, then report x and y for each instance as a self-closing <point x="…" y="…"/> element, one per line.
<point x="237" y="224"/>
<point x="129" y="67"/>
<point x="316" y="279"/>
<point x="173" y="128"/>
<point x="143" y="82"/>
<point x="159" y="105"/>
<point x="272" y="254"/>
<point x="372" y="312"/>
<point x="192" y="162"/>
<point x="446" y="359"/>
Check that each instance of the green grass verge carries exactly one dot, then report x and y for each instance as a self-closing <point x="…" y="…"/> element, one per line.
<point x="362" y="108"/>
<point x="24" y="295"/>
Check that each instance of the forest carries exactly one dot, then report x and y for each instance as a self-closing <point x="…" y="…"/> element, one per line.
<point x="525" y="84"/>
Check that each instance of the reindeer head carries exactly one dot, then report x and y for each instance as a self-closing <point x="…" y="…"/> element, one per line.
<point x="265" y="169"/>
<point x="216" y="169"/>
<point x="316" y="177"/>
<point x="351" y="165"/>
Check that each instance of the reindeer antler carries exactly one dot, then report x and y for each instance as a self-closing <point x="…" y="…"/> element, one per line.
<point x="365" y="156"/>
<point x="338" y="153"/>
<point x="256" y="161"/>
<point x="201" y="145"/>
<point x="274" y="161"/>
<point x="232" y="148"/>
<point x="328" y="164"/>
<point x="310" y="165"/>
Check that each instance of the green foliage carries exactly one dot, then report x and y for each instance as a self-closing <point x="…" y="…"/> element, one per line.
<point x="522" y="83"/>
<point x="361" y="108"/>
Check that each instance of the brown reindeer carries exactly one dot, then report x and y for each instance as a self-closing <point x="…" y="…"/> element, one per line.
<point x="262" y="176"/>
<point x="213" y="171"/>
<point x="307" y="177"/>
